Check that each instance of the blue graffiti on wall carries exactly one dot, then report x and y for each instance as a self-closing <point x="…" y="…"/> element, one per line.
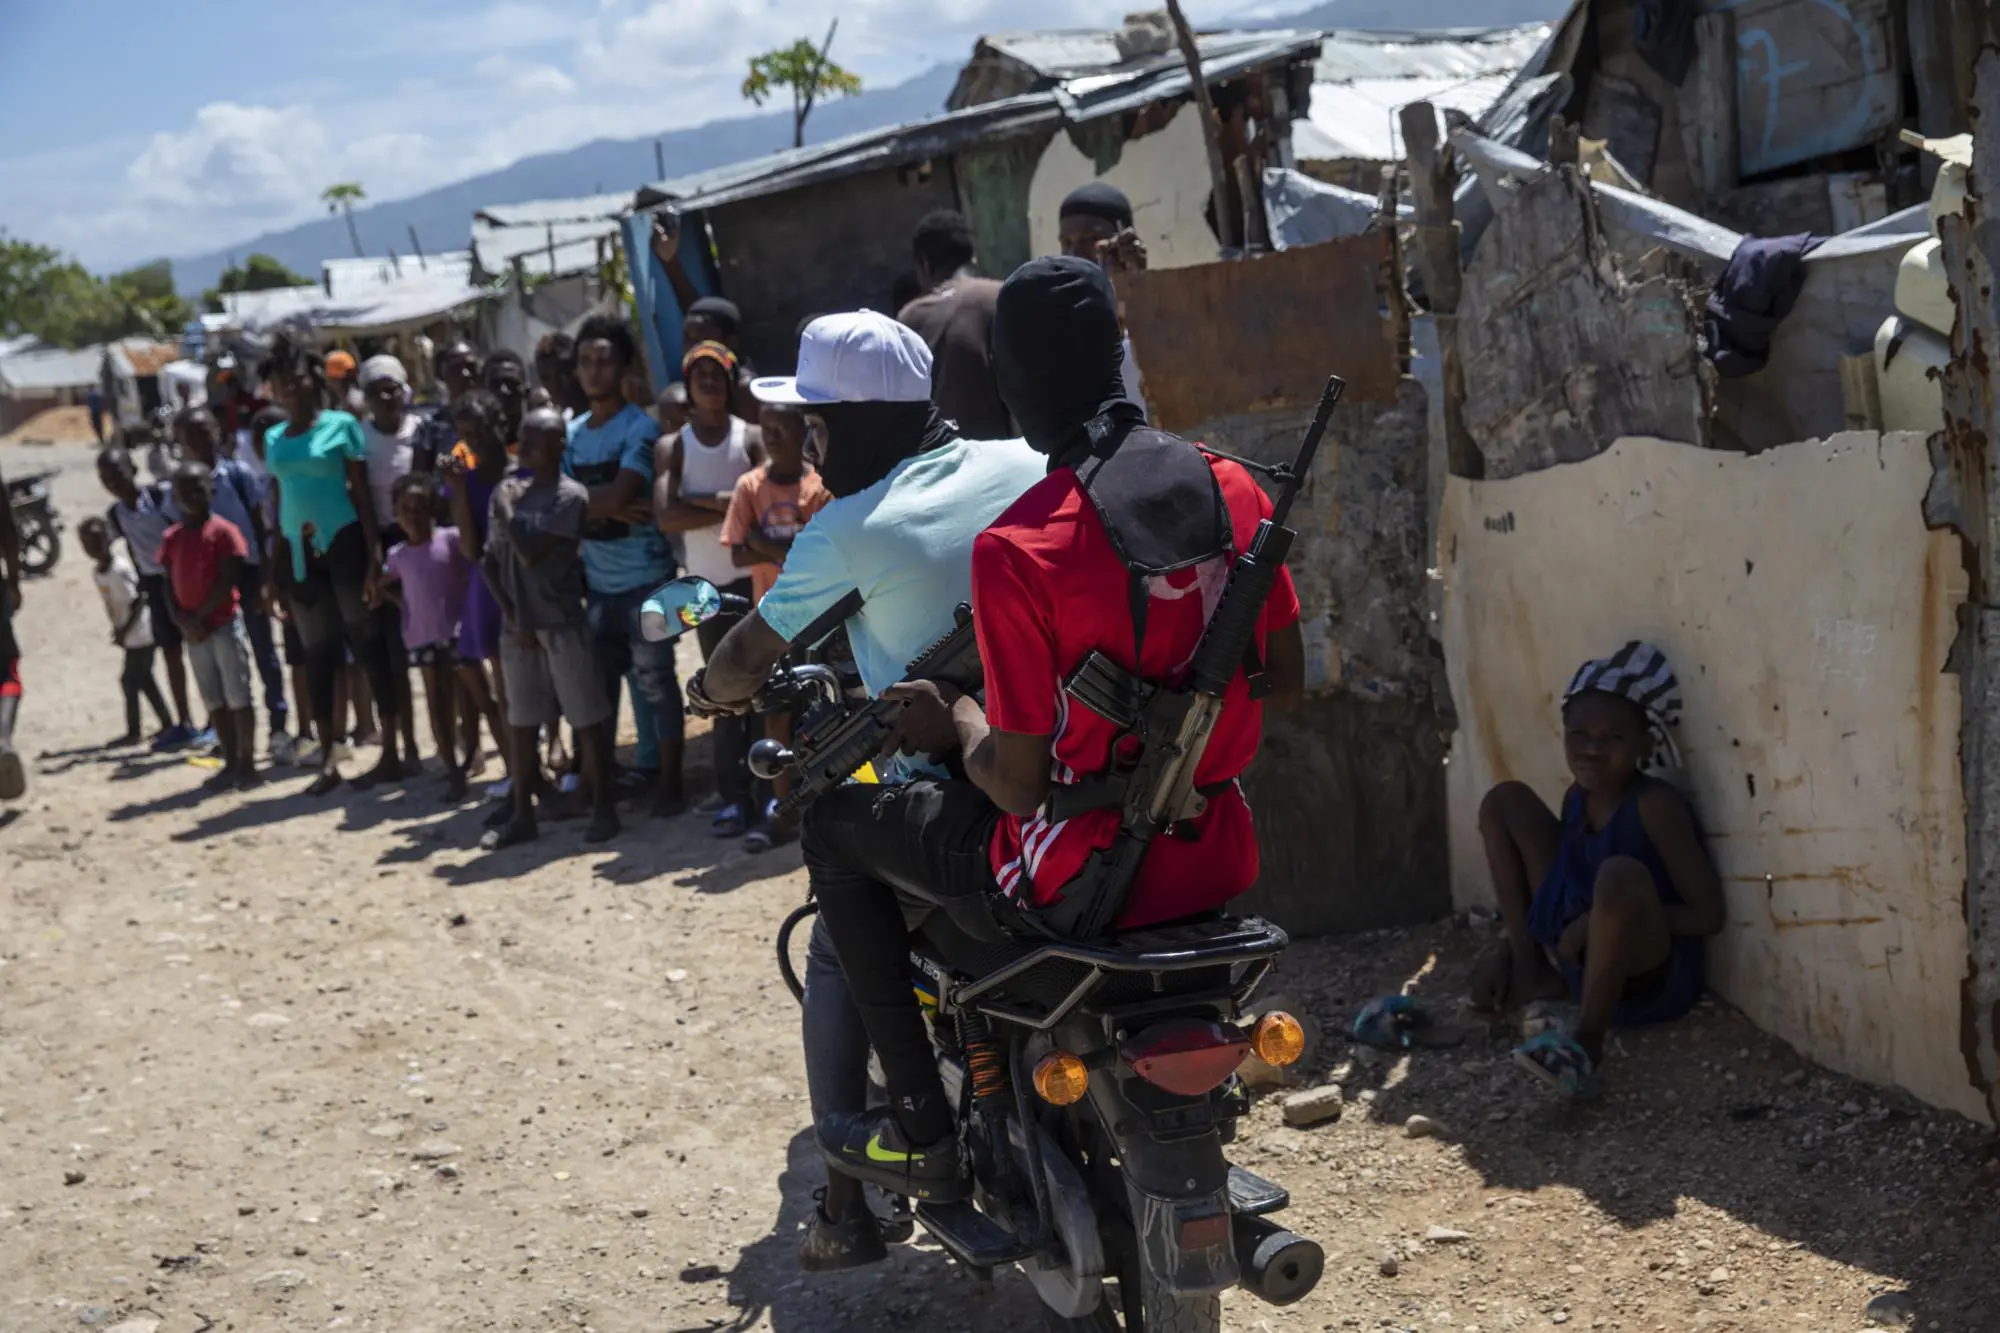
<point x="1761" y="71"/>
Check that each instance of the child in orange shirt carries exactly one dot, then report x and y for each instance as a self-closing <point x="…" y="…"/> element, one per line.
<point x="771" y="503"/>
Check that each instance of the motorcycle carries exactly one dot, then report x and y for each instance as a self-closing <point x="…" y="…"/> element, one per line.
<point x="1095" y="1081"/>
<point x="35" y="518"/>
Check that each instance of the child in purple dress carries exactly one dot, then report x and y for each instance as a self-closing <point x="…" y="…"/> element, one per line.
<point x="427" y="574"/>
<point x="472" y="481"/>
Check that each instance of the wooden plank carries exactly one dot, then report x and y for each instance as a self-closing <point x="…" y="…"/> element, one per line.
<point x="1562" y="353"/>
<point x="1263" y="333"/>
<point x="1433" y="178"/>
<point x="1709" y="113"/>
<point x="1860" y="395"/>
<point x="1814" y="79"/>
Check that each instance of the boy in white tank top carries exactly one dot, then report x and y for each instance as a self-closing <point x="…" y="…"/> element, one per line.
<point x="711" y="453"/>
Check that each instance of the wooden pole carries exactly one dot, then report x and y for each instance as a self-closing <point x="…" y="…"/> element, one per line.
<point x="418" y="246"/>
<point x="1211" y="131"/>
<point x="1433" y="175"/>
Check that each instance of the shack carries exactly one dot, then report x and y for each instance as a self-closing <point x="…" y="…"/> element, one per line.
<point x="558" y="257"/>
<point x="34" y="379"/>
<point x="761" y="231"/>
<point x="131" y="374"/>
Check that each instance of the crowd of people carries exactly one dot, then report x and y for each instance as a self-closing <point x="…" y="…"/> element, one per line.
<point x="988" y="445"/>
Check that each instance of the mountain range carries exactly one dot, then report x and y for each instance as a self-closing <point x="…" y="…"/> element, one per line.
<point x="442" y="217"/>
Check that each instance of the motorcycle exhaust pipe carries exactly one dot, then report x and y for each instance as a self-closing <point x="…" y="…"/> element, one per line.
<point x="1278" y="1266"/>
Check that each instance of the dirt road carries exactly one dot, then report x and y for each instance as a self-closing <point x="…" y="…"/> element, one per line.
<point x="279" y="1063"/>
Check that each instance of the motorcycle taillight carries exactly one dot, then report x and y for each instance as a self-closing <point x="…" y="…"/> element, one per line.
<point x="1188" y="1056"/>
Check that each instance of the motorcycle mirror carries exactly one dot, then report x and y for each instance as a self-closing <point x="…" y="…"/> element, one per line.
<point x="770" y="758"/>
<point x="675" y="608"/>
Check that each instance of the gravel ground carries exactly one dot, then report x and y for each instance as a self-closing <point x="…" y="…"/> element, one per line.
<point x="275" y="1063"/>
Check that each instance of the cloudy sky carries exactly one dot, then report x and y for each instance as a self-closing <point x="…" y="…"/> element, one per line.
<point x="136" y="130"/>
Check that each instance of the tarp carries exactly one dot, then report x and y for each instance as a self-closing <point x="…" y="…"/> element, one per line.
<point x="1304" y="211"/>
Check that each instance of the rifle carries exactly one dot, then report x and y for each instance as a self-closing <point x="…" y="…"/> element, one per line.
<point x="1172" y="726"/>
<point x="834" y="738"/>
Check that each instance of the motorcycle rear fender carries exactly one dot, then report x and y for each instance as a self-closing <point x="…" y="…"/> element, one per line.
<point x="1179" y="1195"/>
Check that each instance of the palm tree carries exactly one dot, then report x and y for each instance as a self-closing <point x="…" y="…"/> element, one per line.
<point x="342" y="198"/>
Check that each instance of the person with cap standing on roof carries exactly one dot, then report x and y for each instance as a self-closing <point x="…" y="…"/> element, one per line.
<point x="697" y="475"/>
<point x="909" y="497"/>
<point x="1118" y="555"/>
<point x="1095" y="223"/>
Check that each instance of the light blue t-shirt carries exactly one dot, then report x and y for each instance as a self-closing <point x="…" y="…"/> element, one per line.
<point x="906" y="544"/>
<point x="618" y="556"/>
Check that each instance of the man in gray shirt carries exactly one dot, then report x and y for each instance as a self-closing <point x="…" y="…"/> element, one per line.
<point x="535" y="566"/>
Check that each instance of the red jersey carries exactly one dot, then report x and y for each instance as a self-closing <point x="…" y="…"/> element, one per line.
<point x="192" y="556"/>
<point x="1047" y="588"/>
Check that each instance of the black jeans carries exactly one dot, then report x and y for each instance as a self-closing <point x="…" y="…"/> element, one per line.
<point x="138" y="683"/>
<point x="731" y="737"/>
<point x="330" y="612"/>
<point x="882" y="859"/>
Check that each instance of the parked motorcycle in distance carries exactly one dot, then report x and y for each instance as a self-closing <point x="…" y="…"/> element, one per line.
<point x="1096" y="1086"/>
<point x="36" y="519"/>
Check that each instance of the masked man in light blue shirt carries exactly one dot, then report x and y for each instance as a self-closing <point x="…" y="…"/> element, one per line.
<point x="909" y="497"/>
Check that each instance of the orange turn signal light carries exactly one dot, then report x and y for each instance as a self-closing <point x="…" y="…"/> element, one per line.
<point x="1061" y="1079"/>
<point x="1278" y="1039"/>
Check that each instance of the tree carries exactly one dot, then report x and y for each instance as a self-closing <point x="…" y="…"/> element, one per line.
<point x="341" y="199"/>
<point x="806" y="71"/>
<point x="56" y="299"/>
<point x="260" y="272"/>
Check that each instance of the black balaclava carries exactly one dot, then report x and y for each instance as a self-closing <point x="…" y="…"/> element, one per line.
<point x="721" y="310"/>
<point x="1058" y="355"/>
<point x="1058" y="358"/>
<point x="865" y="440"/>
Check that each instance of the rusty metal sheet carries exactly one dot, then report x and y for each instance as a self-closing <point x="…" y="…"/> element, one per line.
<point x="1254" y="335"/>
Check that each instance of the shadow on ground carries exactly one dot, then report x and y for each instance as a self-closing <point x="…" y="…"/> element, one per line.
<point x="1707" y="1109"/>
<point x="766" y="1281"/>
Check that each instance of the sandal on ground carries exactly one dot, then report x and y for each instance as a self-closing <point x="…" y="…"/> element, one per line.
<point x="730" y="822"/>
<point x="1557" y="1060"/>
<point x="511" y="834"/>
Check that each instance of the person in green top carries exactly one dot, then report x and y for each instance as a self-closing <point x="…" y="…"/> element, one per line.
<point x="329" y="547"/>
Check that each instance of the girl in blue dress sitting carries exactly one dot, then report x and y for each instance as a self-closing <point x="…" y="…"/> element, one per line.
<point x="1609" y="903"/>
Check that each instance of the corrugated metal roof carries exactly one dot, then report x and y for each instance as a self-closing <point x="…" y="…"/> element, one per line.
<point x="1063" y="55"/>
<point x="1100" y="93"/>
<point x="356" y="279"/>
<point x="45" y="369"/>
<point x="1347" y="54"/>
<point x="793" y="167"/>
<point x="575" y="244"/>
<point x="1364" y="79"/>
<point x="535" y="212"/>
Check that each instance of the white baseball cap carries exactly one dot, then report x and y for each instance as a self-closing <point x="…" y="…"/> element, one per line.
<point x="861" y="357"/>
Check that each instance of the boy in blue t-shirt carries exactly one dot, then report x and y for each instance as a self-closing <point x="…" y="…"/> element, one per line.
<point x="625" y="555"/>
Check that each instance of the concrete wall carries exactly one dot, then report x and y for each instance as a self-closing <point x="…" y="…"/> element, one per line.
<point x="1164" y="174"/>
<point x="1808" y="611"/>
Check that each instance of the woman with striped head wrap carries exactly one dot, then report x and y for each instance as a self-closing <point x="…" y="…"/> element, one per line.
<point x="1607" y="903"/>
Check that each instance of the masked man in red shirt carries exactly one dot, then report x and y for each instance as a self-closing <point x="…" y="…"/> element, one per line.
<point x="1122" y="550"/>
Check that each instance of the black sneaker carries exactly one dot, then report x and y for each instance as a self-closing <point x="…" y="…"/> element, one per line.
<point x="871" y="1147"/>
<point x="854" y="1241"/>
